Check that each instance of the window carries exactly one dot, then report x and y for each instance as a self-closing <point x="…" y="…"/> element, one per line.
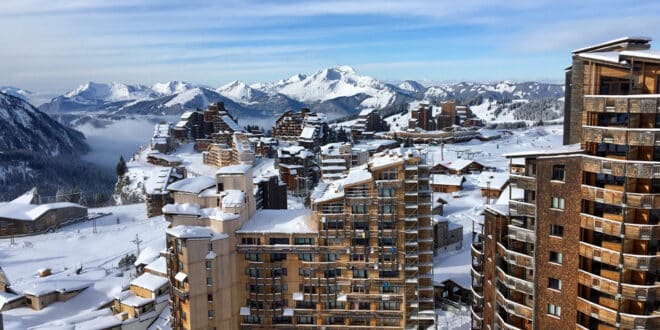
<point x="210" y="313"/>
<point x="253" y="272"/>
<point x="556" y="230"/>
<point x="179" y="246"/>
<point x="279" y="240"/>
<point x="359" y="209"/>
<point x="304" y="241"/>
<point x="210" y="246"/>
<point x="277" y="256"/>
<point x="389" y="305"/>
<point x="305" y="257"/>
<point x="554" y="283"/>
<point x="330" y="257"/>
<point x="209" y="281"/>
<point x="386" y="192"/>
<point x="556" y="257"/>
<point x="554" y="310"/>
<point x="250" y="241"/>
<point x="359" y="273"/>
<point x="253" y="257"/>
<point x="209" y="297"/>
<point x="558" y="172"/>
<point x="557" y="203"/>
<point x="305" y="319"/>
<point x="208" y="264"/>
<point x="386" y="208"/>
<point x="306" y="272"/>
<point x="253" y="319"/>
<point x="183" y="315"/>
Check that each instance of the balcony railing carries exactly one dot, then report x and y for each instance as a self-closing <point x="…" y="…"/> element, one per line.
<point x="522" y="182"/>
<point x="521" y="234"/>
<point x="518" y="208"/>
<point x="599" y="254"/>
<point x="632" y="169"/>
<point x="513" y="282"/>
<point x="622" y="103"/>
<point x="613" y="227"/>
<point x="621" y="135"/>
<point x="515" y="258"/>
<point x="513" y="307"/>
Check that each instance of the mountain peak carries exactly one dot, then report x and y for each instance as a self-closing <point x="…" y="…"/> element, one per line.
<point x="345" y="69"/>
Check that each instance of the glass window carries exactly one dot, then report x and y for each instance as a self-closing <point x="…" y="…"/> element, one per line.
<point x="554" y="310"/>
<point x="558" y="172"/>
<point x="556" y="230"/>
<point x="558" y="203"/>
<point x="556" y="257"/>
<point x="554" y="283"/>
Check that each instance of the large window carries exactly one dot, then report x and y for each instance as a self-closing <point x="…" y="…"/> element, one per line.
<point x="556" y="257"/>
<point x="304" y="241"/>
<point x="386" y="192"/>
<point x="253" y="256"/>
<point x="558" y="172"/>
<point x="359" y="209"/>
<point x="554" y="283"/>
<point x="558" y="203"/>
<point x="556" y="230"/>
<point x="305" y="257"/>
<point x="554" y="310"/>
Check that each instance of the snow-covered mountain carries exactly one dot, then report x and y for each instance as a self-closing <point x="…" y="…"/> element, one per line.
<point x="338" y="91"/>
<point x="23" y="127"/>
<point x="34" y="146"/>
<point x="15" y="91"/>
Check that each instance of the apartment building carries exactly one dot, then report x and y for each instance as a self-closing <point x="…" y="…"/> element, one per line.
<point x="361" y="257"/>
<point x="422" y="117"/>
<point x="577" y="247"/>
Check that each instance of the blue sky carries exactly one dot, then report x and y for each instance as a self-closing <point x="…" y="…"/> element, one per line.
<point x="53" y="46"/>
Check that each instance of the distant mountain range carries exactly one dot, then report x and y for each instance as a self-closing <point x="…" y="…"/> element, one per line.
<point x="338" y="91"/>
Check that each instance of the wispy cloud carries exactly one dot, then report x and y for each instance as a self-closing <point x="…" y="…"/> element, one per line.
<point x="59" y="44"/>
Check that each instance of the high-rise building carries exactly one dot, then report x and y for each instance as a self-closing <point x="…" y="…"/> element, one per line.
<point x="361" y="257"/>
<point x="577" y="246"/>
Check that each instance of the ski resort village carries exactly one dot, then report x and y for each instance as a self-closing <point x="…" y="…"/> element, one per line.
<point x="449" y="207"/>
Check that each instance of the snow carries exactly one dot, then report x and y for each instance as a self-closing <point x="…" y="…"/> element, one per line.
<point x="492" y="180"/>
<point x="193" y="185"/>
<point x="308" y="132"/>
<point x="187" y="96"/>
<point x="612" y="57"/>
<point x="240" y="92"/>
<point x="279" y="221"/>
<point x="614" y="41"/>
<point x="235" y="169"/>
<point x="182" y="231"/>
<point x="131" y="299"/>
<point x="147" y="255"/>
<point x="30" y="212"/>
<point x="150" y="282"/>
<point x="232" y="198"/>
<point x="171" y="87"/>
<point x="648" y="54"/>
<point x="159" y="266"/>
<point x="100" y="319"/>
<point x="448" y="180"/>
<point x="68" y="248"/>
<point x="180" y="276"/>
<point x="231" y="123"/>
<point x="558" y="150"/>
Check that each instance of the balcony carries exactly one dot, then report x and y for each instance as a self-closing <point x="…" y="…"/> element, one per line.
<point x="477" y="249"/>
<point x="621" y="135"/>
<point x="646" y="263"/>
<point x="515" y="258"/>
<point x="621" y="103"/>
<point x="602" y="195"/>
<point x="596" y="311"/>
<point x="522" y="182"/>
<point x="632" y="169"/>
<point x="521" y="234"/>
<point x="503" y="325"/>
<point x="513" y="307"/>
<point x="513" y="282"/>
<point x="599" y="254"/>
<point x="518" y="208"/>
<point x="633" y="321"/>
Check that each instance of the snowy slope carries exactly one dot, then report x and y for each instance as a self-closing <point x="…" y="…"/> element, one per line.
<point x="240" y="92"/>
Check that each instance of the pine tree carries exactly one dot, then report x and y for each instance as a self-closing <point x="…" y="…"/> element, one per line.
<point x="121" y="168"/>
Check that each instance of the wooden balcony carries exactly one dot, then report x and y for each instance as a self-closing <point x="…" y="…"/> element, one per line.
<point x="601" y="225"/>
<point x="632" y="169"/>
<point x="513" y="282"/>
<point x="515" y="258"/>
<point x="518" y="208"/>
<point x="632" y="321"/>
<point x="599" y="254"/>
<point x="599" y="283"/>
<point x="522" y="182"/>
<point x="640" y="262"/>
<point x="502" y="324"/>
<point x="621" y="103"/>
<point x="602" y="195"/>
<point x="596" y="311"/>
<point x="521" y="234"/>
<point x="477" y="249"/>
<point x="513" y="307"/>
<point x="621" y="135"/>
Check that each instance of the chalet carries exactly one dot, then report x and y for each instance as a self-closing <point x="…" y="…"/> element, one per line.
<point x="163" y="138"/>
<point x="53" y="288"/>
<point x="147" y="296"/>
<point x="492" y="183"/>
<point x="446" y="183"/>
<point x="8" y="299"/>
<point x="454" y="290"/>
<point x="457" y="167"/>
<point x="24" y="216"/>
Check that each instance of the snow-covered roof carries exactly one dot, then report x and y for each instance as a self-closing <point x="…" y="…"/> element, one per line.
<point x="56" y="284"/>
<point x="232" y="197"/>
<point x="150" y="281"/>
<point x="182" y="231"/>
<point x="131" y="299"/>
<point x="234" y="169"/>
<point x="149" y="254"/>
<point x="162" y="130"/>
<point x="308" y="132"/>
<point x="366" y="112"/>
<point x="31" y="212"/>
<point x="27" y="198"/>
<point x="168" y="158"/>
<point x="159" y="266"/>
<point x="98" y="319"/>
<point x="492" y="180"/>
<point x="647" y="54"/>
<point x="280" y="221"/>
<point x="447" y="180"/>
<point x="518" y="161"/>
<point x="231" y="123"/>
<point x="194" y="209"/>
<point x="611" y="57"/>
<point x="6" y="297"/>
<point x="157" y="179"/>
<point x="193" y="185"/>
<point x="498" y="209"/>
<point x="335" y="189"/>
<point x="458" y="164"/>
<point x="637" y="39"/>
<point x="565" y="149"/>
